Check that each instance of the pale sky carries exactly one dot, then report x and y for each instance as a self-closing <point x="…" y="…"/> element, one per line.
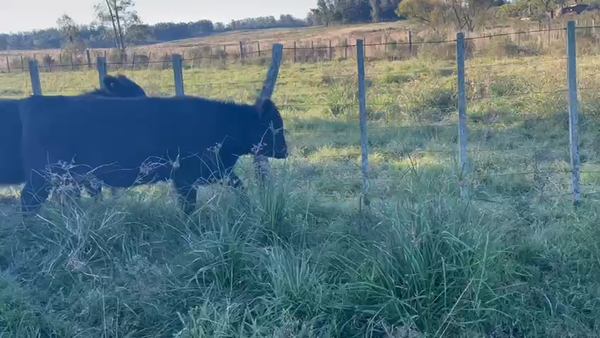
<point x="21" y="15"/>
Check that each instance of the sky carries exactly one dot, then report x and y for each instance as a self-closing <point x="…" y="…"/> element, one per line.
<point x="21" y="15"/>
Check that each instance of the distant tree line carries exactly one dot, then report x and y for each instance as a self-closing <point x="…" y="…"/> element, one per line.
<point x="118" y="25"/>
<point x="353" y="11"/>
<point x="102" y="36"/>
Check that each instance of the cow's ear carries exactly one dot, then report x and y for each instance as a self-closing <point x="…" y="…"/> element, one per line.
<point x="266" y="109"/>
<point x="110" y="82"/>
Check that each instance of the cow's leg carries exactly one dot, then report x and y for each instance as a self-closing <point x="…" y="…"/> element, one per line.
<point x="95" y="192"/>
<point x="34" y="193"/>
<point x="187" y="195"/>
<point x="233" y="180"/>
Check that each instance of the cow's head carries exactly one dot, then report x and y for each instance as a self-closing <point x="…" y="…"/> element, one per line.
<point x="271" y="131"/>
<point x="121" y="86"/>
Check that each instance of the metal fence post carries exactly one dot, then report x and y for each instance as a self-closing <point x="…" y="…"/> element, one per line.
<point x="462" y="113"/>
<point x="262" y="162"/>
<point x="360" y="56"/>
<point x="178" y="75"/>
<point x="101" y="65"/>
<point x="34" y="73"/>
<point x="573" y="111"/>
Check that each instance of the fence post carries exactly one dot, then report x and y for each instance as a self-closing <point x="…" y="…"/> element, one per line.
<point x="101" y="66"/>
<point x="410" y="44"/>
<point x="330" y="51"/>
<point x="22" y="63"/>
<point x="360" y="57"/>
<point x="258" y="46"/>
<point x="72" y="63"/>
<point x="89" y="59"/>
<point x="8" y="64"/>
<point x="241" y="52"/>
<point x="346" y="50"/>
<point x="178" y="74"/>
<point x="262" y="162"/>
<point x="34" y="73"/>
<point x="462" y="113"/>
<point x="573" y="111"/>
<point x="294" y="51"/>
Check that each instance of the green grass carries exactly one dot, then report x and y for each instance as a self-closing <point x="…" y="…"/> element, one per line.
<point x="303" y="259"/>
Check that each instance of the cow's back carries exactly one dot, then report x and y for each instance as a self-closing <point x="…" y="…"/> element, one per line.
<point x="113" y="136"/>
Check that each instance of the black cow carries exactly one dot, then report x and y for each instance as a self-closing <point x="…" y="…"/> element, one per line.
<point x="129" y="142"/>
<point x="11" y="167"/>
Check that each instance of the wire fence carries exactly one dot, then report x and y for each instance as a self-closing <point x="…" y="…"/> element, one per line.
<point x="514" y="138"/>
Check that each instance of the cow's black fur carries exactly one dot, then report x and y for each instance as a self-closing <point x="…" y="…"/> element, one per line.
<point x="128" y="142"/>
<point x="11" y="167"/>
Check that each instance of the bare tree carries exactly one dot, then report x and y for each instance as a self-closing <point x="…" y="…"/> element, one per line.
<point x="71" y="35"/>
<point x="126" y="25"/>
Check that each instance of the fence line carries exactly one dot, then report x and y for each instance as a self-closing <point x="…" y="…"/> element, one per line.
<point x="467" y="173"/>
<point x="219" y="53"/>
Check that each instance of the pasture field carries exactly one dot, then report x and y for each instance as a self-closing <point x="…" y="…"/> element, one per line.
<point x="303" y="258"/>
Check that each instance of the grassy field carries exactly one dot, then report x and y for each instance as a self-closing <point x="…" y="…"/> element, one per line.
<point x="303" y="259"/>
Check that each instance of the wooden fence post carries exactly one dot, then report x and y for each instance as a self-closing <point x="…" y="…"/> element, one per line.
<point x="330" y="51"/>
<point x="360" y="56"/>
<point x="89" y="59"/>
<point x="462" y="113"/>
<point x="262" y="162"/>
<point x="34" y="74"/>
<point x="101" y="66"/>
<point x="573" y="111"/>
<point x="346" y="50"/>
<point x="178" y="75"/>
<point x="294" y="51"/>
<point x="8" y="64"/>
<point x="410" y="44"/>
<point x="258" y="46"/>
<point x="22" y="63"/>
<point x="72" y="63"/>
<point x="241" y="52"/>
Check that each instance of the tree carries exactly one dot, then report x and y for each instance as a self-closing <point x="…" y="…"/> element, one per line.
<point x="70" y="35"/>
<point x="126" y="25"/>
<point x="375" y="7"/>
<point x="465" y="14"/>
<point x="421" y="10"/>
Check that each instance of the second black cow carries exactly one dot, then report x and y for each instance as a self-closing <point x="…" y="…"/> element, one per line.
<point x="129" y="142"/>
<point x="11" y="167"/>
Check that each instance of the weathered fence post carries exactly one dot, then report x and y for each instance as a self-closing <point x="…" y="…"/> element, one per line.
<point x="178" y="75"/>
<point x="360" y="57"/>
<point x="22" y="63"/>
<point x="34" y="73"/>
<point x="101" y="66"/>
<point x="346" y="50"/>
<point x="258" y="46"/>
<point x="462" y="114"/>
<point x="573" y="111"/>
<point x="410" y="44"/>
<point x="7" y="65"/>
<point x="241" y="52"/>
<point x="330" y="51"/>
<point x="294" y="51"/>
<point x="72" y="62"/>
<point x="89" y="59"/>
<point x="262" y="162"/>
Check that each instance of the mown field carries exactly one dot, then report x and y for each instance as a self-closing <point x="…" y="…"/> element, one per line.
<point x="303" y="258"/>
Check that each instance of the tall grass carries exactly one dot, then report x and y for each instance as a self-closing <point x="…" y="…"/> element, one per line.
<point x="300" y="258"/>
